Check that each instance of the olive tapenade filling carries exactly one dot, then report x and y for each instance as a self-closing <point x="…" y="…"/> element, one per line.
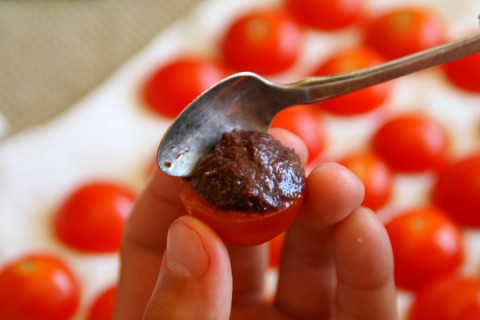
<point x="249" y="171"/>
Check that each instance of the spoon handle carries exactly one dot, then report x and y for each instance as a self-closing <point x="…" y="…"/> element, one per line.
<point x="315" y="89"/>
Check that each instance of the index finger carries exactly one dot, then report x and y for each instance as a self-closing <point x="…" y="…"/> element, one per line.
<point x="144" y="242"/>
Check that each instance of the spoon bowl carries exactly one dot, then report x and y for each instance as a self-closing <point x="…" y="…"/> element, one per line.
<point x="248" y="101"/>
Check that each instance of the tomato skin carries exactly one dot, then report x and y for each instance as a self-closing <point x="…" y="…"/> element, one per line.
<point x="403" y="31"/>
<point x="375" y="175"/>
<point x="103" y="306"/>
<point x="457" y="190"/>
<point x="264" y="41"/>
<point x="38" y="286"/>
<point x="91" y="218"/>
<point x="171" y="87"/>
<point x="449" y="298"/>
<point x="360" y="101"/>
<point x="326" y="15"/>
<point x="306" y="122"/>
<point x="235" y="227"/>
<point x="411" y="143"/>
<point x="426" y="245"/>
<point x="463" y="73"/>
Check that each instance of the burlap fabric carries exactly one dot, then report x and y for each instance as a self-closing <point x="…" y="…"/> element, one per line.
<point x="53" y="52"/>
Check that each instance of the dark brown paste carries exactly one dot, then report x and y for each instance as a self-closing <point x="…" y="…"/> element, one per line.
<point x="249" y="171"/>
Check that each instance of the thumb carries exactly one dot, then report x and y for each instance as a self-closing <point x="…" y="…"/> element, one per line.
<point x="195" y="279"/>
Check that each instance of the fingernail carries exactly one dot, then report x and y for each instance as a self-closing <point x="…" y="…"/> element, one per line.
<point x="185" y="252"/>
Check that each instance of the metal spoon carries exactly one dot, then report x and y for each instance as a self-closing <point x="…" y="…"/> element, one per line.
<point x="247" y="101"/>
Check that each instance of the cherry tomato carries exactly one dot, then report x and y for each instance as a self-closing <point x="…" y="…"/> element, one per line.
<point x="411" y="143"/>
<point x="103" y="306"/>
<point x="357" y="102"/>
<point x="462" y="73"/>
<point x="237" y="227"/>
<point x="426" y="245"/>
<point x="457" y="190"/>
<point x="265" y="41"/>
<point x="307" y="123"/>
<point x="375" y="176"/>
<point x="38" y="286"/>
<point x="275" y="248"/>
<point x="450" y="298"/>
<point x="326" y="15"/>
<point x="92" y="217"/>
<point x="402" y="31"/>
<point x="171" y="87"/>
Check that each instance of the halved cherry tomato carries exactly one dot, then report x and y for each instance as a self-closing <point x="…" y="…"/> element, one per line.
<point x="275" y="248"/>
<point x="375" y="176"/>
<point x="40" y="287"/>
<point x="266" y="41"/>
<point x="426" y="245"/>
<point x="405" y="30"/>
<point x="411" y="143"/>
<point x="453" y="297"/>
<point x="326" y="15"/>
<point x="357" y="102"/>
<point x="463" y="73"/>
<point x="172" y="86"/>
<point x="307" y="123"/>
<point x="103" y="306"/>
<point x="93" y="215"/>
<point x="238" y="227"/>
<point x="457" y="190"/>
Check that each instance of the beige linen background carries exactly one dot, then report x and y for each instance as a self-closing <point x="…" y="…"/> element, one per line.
<point x="53" y="52"/>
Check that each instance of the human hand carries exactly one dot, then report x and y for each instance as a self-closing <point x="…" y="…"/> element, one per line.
<point x="337" y="261"/>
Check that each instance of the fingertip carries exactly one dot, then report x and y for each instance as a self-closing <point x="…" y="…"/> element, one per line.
<point x="195" y="277"/>
<point x="291" y="140"/>
<point x="332" y="193"/>
<point x="364" y="265"/>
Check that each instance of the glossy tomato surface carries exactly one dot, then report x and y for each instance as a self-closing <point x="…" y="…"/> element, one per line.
<point x="405" y="30"/>
<point x="457" y="190"/>
<point x="91" y="218"/>
<point x="326" y="15"/>
<point x="103" y="305"/>
<point x="375" y="175"/>
<point x="426" y="245"/>
<point x="411" y="143"/>
<point x="40" y="287"/>
<point x="454" y="297"/>
<point x="172" y="86"/>
<point x="236" y="227"/>
<point x="361" y="101"/>
<point x="463" y="73"/>
<point x="307" y="123"/>
<point x="265" y="41"/>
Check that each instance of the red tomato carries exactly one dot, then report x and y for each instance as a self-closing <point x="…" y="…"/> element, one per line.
<point x="264" y="41"/>
<point x="464" y="72"/>
<point x="360" y="101"/>
<point x="307" y="123"/>
<point x="426" y="245"/>
<point x="92" y="217"/>
<point x="237" y="227"/>
<point x="39" y="287"/>
<point x="457" y="190"/>
<point x="411" y="143"/>
<point x="451" y="298"/>
<point x="402" y="31"/>
<point x="103" y="306"/>
<point x="375" y="176"/>
<point x="171" y="87"/>
<point x="275" y="248"/>
<point x="326" y="15"/>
